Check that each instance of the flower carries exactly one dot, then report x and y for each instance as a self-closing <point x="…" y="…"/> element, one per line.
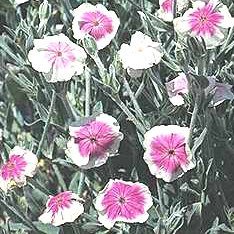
<point x="142" y="53"/>
<point x="57" y="57"/>
<point x="220" y="91"/>
<point x="65" y="207"/>
<point x="207" y="20"/>
<point x="21" y="163"/>
<point x="177" y="87"/>
<point x="166" y="8"/>
<point x="95" y="21"/>
<point x="123" y="201"/>
<point x="93" y="142"/>
<point x="167" y="153"/>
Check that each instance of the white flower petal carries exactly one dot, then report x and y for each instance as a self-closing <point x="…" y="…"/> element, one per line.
<point x="4" y="184"/>
<point x="46" y="217"/>
<point x="228" y="20"/>
<point x="73" y="152"/>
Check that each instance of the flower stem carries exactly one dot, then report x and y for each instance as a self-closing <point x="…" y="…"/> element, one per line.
<point x="87" y="113"/>
<point x="193" y="119"/>
<point x="133" y="98"/>
<point x="174" y="8"/>
<point x="160" y="198"/>
<point x="81" y="183"/>
<point x="46" y="127"/>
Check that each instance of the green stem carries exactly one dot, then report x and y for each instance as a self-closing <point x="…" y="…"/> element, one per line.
<point x="46" y="127"/>
<point x="160" y="198"/>
<point x="174" y="8"/>
<point x="133" y="98"/>
<point x="81" y="183"/>
<point x="193" y="119"/>
<point x="87" y="113"/>
<point x="131" y="117"/>
<point x="229" y="37"/>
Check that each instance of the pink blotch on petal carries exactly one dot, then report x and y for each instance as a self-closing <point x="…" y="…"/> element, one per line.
<point x="205" y="20"/>
<point x="94" y="139"/>
<point x="60" y="54"/>
<point x="14" y="167"/>
<point x="96" y="24"/>
<point x="167" y="5"/>
<point x="123" y="201"/>
<point x="60" y="201"/>
<point x="168" y="152"/>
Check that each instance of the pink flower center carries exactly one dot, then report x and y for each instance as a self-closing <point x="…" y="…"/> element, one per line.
<point x="60" y="201"/>
<point x="205" y="20"/>
<point x="94" y="139"/>
<point x="123" y="200"/>
<point x="96" y="24"/>
<point x="60" y="55"/>
<point x="167" y="5"/>
<point x="168" y="152"/>
<point x="13" y="168"/>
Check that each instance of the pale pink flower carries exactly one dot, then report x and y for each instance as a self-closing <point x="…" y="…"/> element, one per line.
<point x="123" y="201"/>
<point x="166" y="8"/>
<point x="167" y="153"/>
<point x="176" y="88"/>
<point x="95" y="21"/>
<point x="142" y="53"/>
<point x="209" y="21"/>
<point x="21" y="163"/>
<point x="65" y="207"/>
<point x="93" y="142"/>
<point x="220" y="91"/>
<point x="57" y="57"/>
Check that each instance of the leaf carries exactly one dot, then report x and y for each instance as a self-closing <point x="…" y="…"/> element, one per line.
<point x="91" y="227"/>
<point x="47" y="228"/>
<point x="98" y="108"/>
<point x="199" y="141"/>
<point x="193" y="210"/>
<point x="74" y="182"/>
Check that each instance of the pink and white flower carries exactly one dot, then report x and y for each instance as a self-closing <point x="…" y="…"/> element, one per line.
<point x="123" y="201"/>
<point x="21" y="163"/>
<point x="176" y="88"/>
<point x="95" y="21"/>
<point x="65" y="207"/>
<point x="142" y="53"/>
<point x="167" y="153"/>
<point x="93" y="142"/>
<point x="208" y="20"/>
<point x="166" y="8"/>
<point x="57" y="57"/>
<point x="220" y="91"/>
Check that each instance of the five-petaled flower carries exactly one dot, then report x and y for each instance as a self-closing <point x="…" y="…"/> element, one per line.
<point x="167" y="153"/>
<point x="219" y="91"/>
<point x="142" y="53"/>
<point x="63" y="208"/>
<point x="166" y="8"/>
<point x="21" y="163"/>
<point x="123" y="201"/>
<point x="95" y="21"/>
<point x="57" y="57"/>
<point x="176" y="88"/>
<point x="93" y="142"/>
<point x="207" y="20"/>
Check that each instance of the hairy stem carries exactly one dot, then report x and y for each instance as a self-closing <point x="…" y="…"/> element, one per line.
<point x="87" y="113"/>
<point x="46" y="127"/>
